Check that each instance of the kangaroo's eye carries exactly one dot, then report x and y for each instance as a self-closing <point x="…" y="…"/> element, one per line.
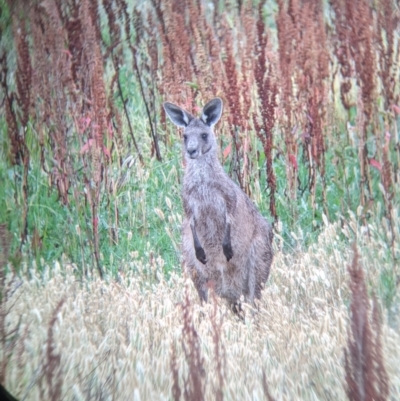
<point x="204" y="136"/>
<point x="184" y="137"/>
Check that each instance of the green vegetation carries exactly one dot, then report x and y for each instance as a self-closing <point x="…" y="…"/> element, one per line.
<point x="141" y="191"/>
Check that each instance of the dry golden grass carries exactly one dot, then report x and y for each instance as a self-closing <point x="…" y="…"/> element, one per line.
<point x="115" y="338"/>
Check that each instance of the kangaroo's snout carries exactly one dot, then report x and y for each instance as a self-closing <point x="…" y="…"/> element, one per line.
<point x="192" y="148"/>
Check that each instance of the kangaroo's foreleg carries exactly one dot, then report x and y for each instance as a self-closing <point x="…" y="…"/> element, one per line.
<point x="200" y="254"/>
<point x="230" y="199"/>
<point x="226" y="242"/>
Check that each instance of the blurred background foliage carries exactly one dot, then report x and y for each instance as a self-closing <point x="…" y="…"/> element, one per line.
<point x="90" y="170"/>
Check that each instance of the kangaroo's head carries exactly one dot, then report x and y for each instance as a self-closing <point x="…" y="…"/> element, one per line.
<point x="198" y="135"/>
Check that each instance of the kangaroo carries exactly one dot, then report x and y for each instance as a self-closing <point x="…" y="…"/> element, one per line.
<point x="225" y="240"/>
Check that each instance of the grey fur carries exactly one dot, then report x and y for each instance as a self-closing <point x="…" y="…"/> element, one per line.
<point x="225" y="240"/>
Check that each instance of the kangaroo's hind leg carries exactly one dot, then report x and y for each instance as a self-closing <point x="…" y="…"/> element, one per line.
<point x="250" y="283"/>
<point x="263" y="261"/>
<point x="199" y="281"/>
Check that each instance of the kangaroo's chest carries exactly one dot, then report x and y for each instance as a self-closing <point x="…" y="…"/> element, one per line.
<point x="204" y="205"/>
<point x="203" y="198"/>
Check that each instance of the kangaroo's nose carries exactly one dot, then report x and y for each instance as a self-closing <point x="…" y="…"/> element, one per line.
<point x="192" y="151"/>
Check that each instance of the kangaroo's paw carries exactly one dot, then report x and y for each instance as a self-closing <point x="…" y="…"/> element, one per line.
<point x="227" y="248"/>
<point x="201" y="255"/>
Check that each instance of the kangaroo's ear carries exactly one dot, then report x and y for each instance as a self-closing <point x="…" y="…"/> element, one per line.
<point x="178" y="116"/>
<point x="212" y="112"/>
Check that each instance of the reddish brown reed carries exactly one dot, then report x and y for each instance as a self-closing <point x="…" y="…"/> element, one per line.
<point x="385" y="27"/>
<point x="16" y="153"/>
<point x="219" y="350"/>
<point x="145" y="50"/>
<point x="233" y="103"/>
<point x="178" y="63"/>
<point x="22" y="103"/>
<point x="366" y="377"/>
<point x="5" y="242"/>
<point x="267" y="93"/>
<point x="304" y="67"/>
<point x="176" y="389"/>
<point x="194" y="382"/>
<point x="51" y="368"/>
<point x="354" y="24"/>
<point x="288" y="37"/>
<point x="52" y="72"/>
<point x="265" y="388"/>
<point x="342" y="52"/>
<point x="11" y="339"/>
